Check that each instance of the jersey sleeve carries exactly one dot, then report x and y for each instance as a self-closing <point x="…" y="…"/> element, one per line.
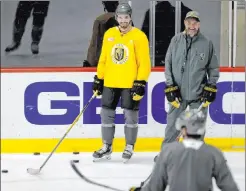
<point x="102" y="60"/>
<point x="168" y="64"/>
<point x="143" y="58"/>
<point x="159" y="178"/>
<point x="213" y="66"/>
<point x="222" y="174"/>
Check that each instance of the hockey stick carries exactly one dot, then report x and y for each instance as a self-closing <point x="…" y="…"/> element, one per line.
<point x="91" y="181"/>
<point x="177" y="139"/>
<point x="37" y="171"/>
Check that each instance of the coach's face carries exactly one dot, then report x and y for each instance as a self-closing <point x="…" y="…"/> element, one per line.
<point x="192" y="26"/>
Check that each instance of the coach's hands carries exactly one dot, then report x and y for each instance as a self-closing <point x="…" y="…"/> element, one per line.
<point x="98" y="85"/>
<point x="138" y="90"/>
<point x="173" y="95"/>
<point x="208" y="94"/>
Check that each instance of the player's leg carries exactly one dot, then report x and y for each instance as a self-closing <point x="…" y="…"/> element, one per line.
<point x="131" y="112"/>
<point x="110" y="99"/>
<point x="22" y="14"/>
<point x="40" y="12"/>
<point x="171" y="134"/>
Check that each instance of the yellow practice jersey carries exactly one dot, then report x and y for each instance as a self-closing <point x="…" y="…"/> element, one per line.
<point x="124" y="58"/>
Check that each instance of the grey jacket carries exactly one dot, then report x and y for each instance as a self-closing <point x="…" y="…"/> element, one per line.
<point x="190" y="166"/>
<point x="190" y="64"/>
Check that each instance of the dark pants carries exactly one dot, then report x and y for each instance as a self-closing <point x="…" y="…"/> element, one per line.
<point x="111" y="97"/>
<point x="23" y="12"/>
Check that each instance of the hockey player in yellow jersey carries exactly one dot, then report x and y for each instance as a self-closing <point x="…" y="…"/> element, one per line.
<point x="122" y="72"/>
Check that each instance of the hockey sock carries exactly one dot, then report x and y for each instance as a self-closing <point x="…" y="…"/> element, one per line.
<point x="108" y="134"/>
<point x="131" y="133"/>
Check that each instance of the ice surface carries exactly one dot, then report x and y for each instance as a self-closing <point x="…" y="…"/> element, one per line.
<point x="58" y="174"/>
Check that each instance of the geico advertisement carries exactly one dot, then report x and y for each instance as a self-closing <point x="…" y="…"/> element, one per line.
<point x="57" y="111"/>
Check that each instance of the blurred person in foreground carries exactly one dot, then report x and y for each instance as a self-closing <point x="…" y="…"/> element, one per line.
<point x="190" y="165"/>
<point x="39" y="11"/>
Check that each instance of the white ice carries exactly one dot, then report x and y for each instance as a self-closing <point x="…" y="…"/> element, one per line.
<point x="58" y="175"/>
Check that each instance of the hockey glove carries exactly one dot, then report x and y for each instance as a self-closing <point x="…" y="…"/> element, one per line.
<point x="98" y="85"/>
<point x="135" y="189"/>
<point x="138" y="90"/>
<point x="173" y="95"/>
<point x="208" y="94"/>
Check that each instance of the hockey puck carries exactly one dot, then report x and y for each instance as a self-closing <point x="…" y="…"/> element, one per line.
<point x="5" y="171"/>
<point x="76" y="161"/>
<point x="36" y="153"/>
<point x="75" y="153"/>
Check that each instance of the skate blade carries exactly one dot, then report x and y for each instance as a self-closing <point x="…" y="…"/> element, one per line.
<point x="35" y="55"/>
<point x="106" y="157"/>
<point x="125" y="160"/>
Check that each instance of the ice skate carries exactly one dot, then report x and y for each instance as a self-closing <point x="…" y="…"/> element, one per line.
<point x="104" y="152"/>
<point x="127" y="154"/>
<point x="14" y="46"/>
<point x="34" y="48"/>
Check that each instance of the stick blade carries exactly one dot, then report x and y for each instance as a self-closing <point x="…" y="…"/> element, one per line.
<point x="77" y="170"/>
<point x="73" y="165"/>
<point x="33" y="171"/>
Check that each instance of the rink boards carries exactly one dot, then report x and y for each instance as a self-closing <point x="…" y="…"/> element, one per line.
<point x="38" y="106"/>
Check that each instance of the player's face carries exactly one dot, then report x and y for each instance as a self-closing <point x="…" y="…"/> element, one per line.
<point x="124" y="20"/>
<point x="192" y="26"/>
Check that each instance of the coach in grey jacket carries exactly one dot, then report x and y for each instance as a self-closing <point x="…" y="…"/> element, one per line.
<point x="192" y="71"/>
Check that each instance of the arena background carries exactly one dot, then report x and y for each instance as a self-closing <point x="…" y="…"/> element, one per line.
<point x="68" y="28"/>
